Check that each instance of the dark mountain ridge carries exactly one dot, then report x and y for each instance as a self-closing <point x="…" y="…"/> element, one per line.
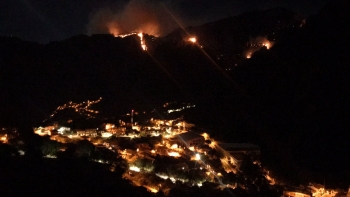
<point x="300" y="94"/>
<point x="40" y="77"/>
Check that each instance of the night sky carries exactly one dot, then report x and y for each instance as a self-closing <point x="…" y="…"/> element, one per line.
<point x="48" y="20"/>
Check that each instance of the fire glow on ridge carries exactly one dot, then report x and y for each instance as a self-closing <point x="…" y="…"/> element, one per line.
<point x="256" y="44"/>
<point x="140" y="35"/>
<point x="142" y="41"/>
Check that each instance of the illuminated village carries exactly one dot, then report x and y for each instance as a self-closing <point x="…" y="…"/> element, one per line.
<point x="160" y="153"/>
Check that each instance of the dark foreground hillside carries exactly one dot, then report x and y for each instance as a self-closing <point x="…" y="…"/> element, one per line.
<point x="48" y="177"/>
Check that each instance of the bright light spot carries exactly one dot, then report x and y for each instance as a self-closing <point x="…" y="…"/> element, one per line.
<point x="199" y="184"/>
<point x="206" y="136"/>
<point x="249" y="55"/>
<point x="192" y="39"/>
<point x="198" y="157"/>
<point x="191" y="148"/>
<point x="134" y="168"/>
<point x="174" y="146"/>
<point x="156" y="134"/>
<point x="267" y="45"/>
<point x="153" y="151"/>
<point x="174" y="154"/>
<point x="151" y="189"/>
<point x="166" y="177"/>
<point x="109" y="126"/>
<point x="106" y="134"/>
<point x="4" y="138"/>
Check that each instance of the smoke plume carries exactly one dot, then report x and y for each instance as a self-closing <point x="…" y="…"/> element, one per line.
<point x="146" y="16"/>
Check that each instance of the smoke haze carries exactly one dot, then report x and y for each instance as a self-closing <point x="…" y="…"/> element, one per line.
<point x="146" y="16"/>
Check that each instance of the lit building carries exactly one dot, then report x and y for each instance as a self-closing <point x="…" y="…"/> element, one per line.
<point x="319" y="190"/>
<point x="189" y="139"/>
<point x="63" y="130"/>
<point x="234" y="152"/>
<point x="136" y="127"/>
<point x="109" y="126"/>
<point x="42" y="131"/>
<point x="106" y="134"/>
<point x="87" y="132"/>
<point x="183" y="125"/>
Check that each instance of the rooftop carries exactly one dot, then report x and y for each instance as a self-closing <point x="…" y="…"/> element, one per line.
<point x="238" y="146"/>
<point x="188" y="136"/>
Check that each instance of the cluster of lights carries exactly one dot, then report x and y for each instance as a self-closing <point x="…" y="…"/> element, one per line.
<point x="180" y="109"/>
<point x="81" y="108"/>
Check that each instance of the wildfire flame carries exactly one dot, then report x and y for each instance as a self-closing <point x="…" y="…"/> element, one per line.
<point x="256" y="44"/>
<point x="267" y="44"/>
<point x="249" y="55"/>
<point x="142" y="41"/>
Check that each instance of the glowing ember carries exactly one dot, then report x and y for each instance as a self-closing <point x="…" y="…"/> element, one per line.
<point x="192" y="39"/>
<point x="249" y="55"/>
<point x="267" y="45"/>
